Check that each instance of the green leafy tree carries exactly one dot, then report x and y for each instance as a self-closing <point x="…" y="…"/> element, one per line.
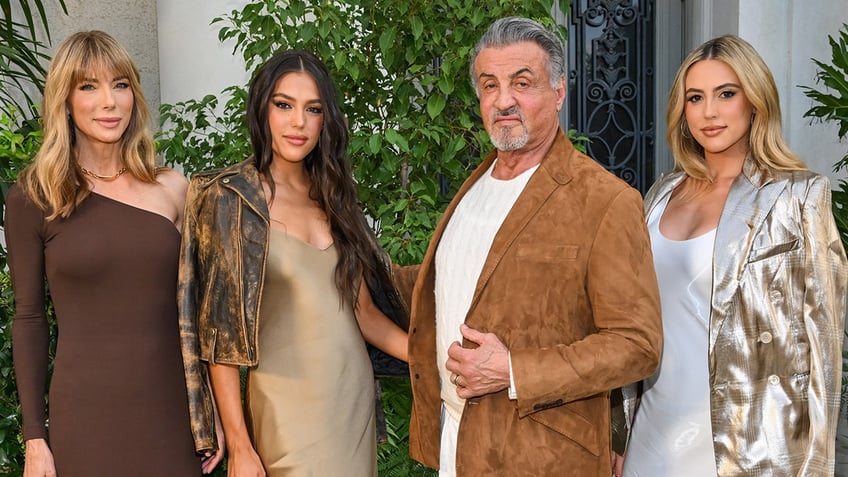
<point x="831" y="104"/>
<point x="22" y="56"/>
<point x="402" y="69"/>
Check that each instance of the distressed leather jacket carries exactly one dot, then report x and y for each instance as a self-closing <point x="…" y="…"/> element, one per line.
<point x="222" y="272"/>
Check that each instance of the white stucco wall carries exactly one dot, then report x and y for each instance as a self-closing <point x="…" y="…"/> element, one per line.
<point x="787" y="34"/>
<point x="132" y="22"/>
<point x="192" y="62"/>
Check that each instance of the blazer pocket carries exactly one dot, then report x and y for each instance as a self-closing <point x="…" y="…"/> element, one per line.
<point x="572" y="426"/>
<point x="540" y="251"/>
<point x="772" y="250"/>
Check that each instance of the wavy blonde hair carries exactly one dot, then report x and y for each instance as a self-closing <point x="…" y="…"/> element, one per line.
<point x="765" y="138"/>
<point x="53" y="181"/>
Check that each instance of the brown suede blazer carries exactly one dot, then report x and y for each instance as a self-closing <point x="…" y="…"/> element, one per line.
<point x="569" y="287"/>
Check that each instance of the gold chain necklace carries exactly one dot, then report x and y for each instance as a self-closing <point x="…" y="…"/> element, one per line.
<point x="104" y="178"/>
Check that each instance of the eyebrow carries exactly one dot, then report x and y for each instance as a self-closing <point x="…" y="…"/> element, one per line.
<point x="285" y="96"/>
<point x="86" y="79"/>
<point x="721" y="86"/>
<point x="512" y="76"/>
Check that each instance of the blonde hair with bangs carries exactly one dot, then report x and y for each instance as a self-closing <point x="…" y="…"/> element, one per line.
<point x="53" y="181"/>
<point x="766" y="144"/>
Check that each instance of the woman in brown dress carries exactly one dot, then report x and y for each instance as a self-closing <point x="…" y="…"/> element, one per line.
<point x="281" y="273"/>
<point x="100" y="221"/>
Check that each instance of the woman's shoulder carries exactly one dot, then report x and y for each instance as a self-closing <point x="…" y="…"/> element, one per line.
<point x="174" y="184"/>
<point x="664" y="184"/>
<point x="802" y="180"/>
<point x="18" y="198"/>
<point x="172" y="180"/>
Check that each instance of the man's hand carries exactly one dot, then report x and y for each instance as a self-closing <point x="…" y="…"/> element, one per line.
<point x="478" y="371"/>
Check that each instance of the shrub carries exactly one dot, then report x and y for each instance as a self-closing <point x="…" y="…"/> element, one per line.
<point x="831" y="104"/>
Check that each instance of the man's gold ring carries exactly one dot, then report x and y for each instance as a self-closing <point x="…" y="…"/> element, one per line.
<point x="456" y="380"/>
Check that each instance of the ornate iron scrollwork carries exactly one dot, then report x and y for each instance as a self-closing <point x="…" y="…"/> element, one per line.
<point x="611" y="84"/>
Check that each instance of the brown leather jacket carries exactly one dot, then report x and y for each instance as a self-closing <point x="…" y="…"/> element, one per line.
<point x="222" y="272"/>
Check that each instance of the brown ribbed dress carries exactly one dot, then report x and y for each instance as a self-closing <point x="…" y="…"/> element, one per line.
<point x="117" y="403"/>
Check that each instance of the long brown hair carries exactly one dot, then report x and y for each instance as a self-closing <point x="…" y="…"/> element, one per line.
<point x="327" y="166"/>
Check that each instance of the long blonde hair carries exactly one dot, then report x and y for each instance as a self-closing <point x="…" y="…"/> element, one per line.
<point x="53" y="181"/>
<point x="767" y="147"/>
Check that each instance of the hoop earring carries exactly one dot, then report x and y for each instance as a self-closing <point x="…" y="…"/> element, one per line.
<point x="684" y="130"/>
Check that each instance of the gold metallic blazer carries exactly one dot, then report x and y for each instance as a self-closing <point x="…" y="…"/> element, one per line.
<point x="776" y="324"/>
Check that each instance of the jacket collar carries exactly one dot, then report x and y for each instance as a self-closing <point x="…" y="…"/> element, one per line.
<point x="243" y="179"/>
<point x="755" y="178"/>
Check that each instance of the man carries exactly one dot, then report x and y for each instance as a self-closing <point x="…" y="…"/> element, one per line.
<point x="542" y="263"/>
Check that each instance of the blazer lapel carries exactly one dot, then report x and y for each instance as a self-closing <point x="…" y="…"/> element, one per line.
<point x="751" y="198"/>
<point x="552" y="172"/>
<point x="247" y="184"/>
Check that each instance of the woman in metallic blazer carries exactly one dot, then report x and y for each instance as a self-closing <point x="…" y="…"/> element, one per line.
<point x="752" y="278"/>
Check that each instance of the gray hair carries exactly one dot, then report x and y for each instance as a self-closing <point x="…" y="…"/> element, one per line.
<point x="510" y="30"/>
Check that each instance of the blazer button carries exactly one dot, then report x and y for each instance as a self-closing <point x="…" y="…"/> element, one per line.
<point x="774" y="380"/>
<point x="765" y="337"/>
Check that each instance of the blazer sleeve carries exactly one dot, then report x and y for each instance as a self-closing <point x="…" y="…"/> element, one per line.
<point x="24" y="229"/>
<point x="188" y="290"/>
<point x="824" y="308"/>
<point x="404" y="279"/>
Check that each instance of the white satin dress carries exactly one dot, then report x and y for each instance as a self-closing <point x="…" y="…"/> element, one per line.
<point x="672" y="434"/>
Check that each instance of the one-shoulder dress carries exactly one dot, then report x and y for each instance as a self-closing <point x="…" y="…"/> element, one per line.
<point x="117" y="400"/>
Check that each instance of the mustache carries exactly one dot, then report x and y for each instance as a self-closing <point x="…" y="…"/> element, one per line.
<point x="509" y="112"/>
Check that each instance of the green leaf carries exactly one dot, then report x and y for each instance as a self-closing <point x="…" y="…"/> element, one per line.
<point x="446" y="84"/>
<point x="374" y="143"/>
<point x="387" y="39"/>
<point x="396" y="139"/>
<point x="435" y="105"/>
<point x="417" y="28"/>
